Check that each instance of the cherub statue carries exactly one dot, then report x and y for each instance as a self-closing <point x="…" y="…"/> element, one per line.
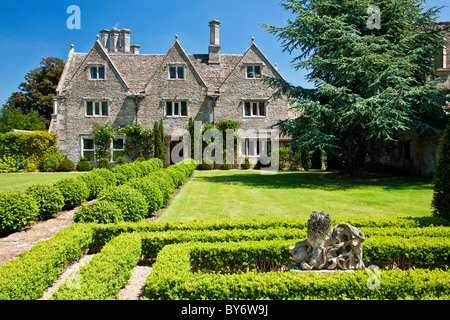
<point x="328" y="247"/>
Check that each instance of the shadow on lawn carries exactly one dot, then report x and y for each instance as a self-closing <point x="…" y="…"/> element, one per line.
<point x="313" y="180"/>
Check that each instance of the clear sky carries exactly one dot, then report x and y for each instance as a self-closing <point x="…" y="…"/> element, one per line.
<point x="32" y="30"/>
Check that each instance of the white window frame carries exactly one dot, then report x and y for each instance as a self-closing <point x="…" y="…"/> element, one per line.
<point x="258" y="105"/>
<point x="113" y="149"/>
<point x="100" y="108"/>
<point x="173" y="102"/>
<point x="83" y="149"/>
<point x="177" y="76"/>
<point x="252" y="66"/>
<point x="97" y="66"/>
<point x="252" y="147"/>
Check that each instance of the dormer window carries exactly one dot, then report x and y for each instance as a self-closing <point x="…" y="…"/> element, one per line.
<point x="253" y="71"/>
<point x="97" y="72"/>
<point x="176" y="72"/>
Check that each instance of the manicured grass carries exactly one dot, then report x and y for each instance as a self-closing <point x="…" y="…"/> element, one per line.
<point x="20" y="181"/>
<point x="246" y="194"/>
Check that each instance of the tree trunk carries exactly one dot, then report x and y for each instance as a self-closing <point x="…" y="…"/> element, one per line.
<point x="360" y="159"/>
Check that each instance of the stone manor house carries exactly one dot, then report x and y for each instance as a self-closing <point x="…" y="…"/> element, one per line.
<point x="115" y="83"/>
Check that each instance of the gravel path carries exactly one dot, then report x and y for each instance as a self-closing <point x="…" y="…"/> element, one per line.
<point x="135" y="287"/>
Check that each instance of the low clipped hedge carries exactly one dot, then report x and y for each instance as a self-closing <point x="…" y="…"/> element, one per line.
<point x="150" y="190"/>
<point x="17" y="209"/>
<point x="95" y="183"/>
<point x="107" y="271"/>
<point x="171" y="277"/>
<point x="74" y="191"/>
<point x="48" y="199"/>
<point x="33" y="271"/>
<point x="100" y="211"/>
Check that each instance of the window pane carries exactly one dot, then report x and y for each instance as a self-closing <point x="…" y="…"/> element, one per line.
<point x="169" y="108"/>
<point x="89" y="108"/>
<point x="88" y="144"/>
<point x="180" y="72"/>
<point x="176" y="108"/>
<point x="104" y="108"/>
<point x="251" y="147"/>
<point x="101" y="72"/>
<point x="117" y="154"/>
<point x="89" y="155"/>
<point x="247" y="109"/>
<point x="243" y="148"/>
<point x="257" y="71"/>
<point x="184" y="108"/>
<point x="262" y="109"/>
<point x="173" y="72"/>
<point x="255" y="109"/>
<point x="118" y="144"/>
<point x="97" y="108"/>
<point x="93" y="72"/>
<point x="249" y="71"/>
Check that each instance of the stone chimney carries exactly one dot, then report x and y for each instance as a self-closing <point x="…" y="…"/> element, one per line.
<point x="214" y="44"/>
<point x="126" y="40"/>
<point x="105" y="39"/>
<point x="114" y="40"/>
<point x="135" y="49"/>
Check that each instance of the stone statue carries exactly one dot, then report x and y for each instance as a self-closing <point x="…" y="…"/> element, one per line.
<point x="327" y="247"/>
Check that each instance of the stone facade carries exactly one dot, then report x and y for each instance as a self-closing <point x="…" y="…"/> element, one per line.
<point x="142" y="88"/>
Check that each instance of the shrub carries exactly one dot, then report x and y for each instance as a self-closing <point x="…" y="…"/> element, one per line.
<point x="48" y="199"/>
<point x="106" y="174"/>
<point x="165" y="185"/>
<point x="124" y="173"/>
<point x="83" y="165"/>
<point x="100" y="211"/>
<point x="140" y="159"/>
<point x="120" y="161"/>
<point x="94" y="182"/>
<point x="130" y="201"/>
<point x="74" y="191"/>
<point x="17" y="209"/>
<point x="66" y="165"/>
<point x="441" y="191"/>
<point x="205" y="166"/>
<point x="103" y="163"/>
<point x="226" y="166"/>
<point x="51" y="161"/>
<point x="246" y="164"/>
<point x="150" y="190"/>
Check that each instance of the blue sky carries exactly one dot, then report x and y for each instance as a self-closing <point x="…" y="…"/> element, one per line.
<point x="32" y="30"/>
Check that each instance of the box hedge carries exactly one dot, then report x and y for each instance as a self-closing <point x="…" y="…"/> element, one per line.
<point x="17" y="209"/>
<point x="99" y="211"/>
<point x="74" y="191"/>
<point x="48" y="199"/>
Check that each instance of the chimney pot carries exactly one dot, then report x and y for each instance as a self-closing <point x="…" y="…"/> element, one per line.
<point x="214" y="43"/>
<point x="135" y="49"/>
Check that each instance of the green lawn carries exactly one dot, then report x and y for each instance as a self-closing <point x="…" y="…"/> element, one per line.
<point x="20" y="181"/>
<point x="239" y="194"/>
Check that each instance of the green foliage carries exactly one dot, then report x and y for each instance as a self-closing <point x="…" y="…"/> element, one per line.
<point x="165" y="185"/>
<point x="124" y="173"/>
<point x="16" y="119"/>
<point x="103" y="136"/>
<point x="28" y="276"/>
<point x="16" y="163"/>
<point x="106" y="273"/>
<point x="94" y="182"/>
<point x="159" y="141"/>
<point x="305" y="158"/>
<point x="17" y="209"/>
<point x="150" y="190"/>
<point x="246" y="164"/>
<point x="48" y="199"/>
<point x="441" y="194"/>
<point x="226" y="166"/>
<point x="66" y="165"/>
<point x="33" y="146"/>
<point x="120" y="161"/>
<point x="106" y="174"/>
<point x="83" y="165"/>
<point x="130" y="201"/>
<point x="103" y="163"/>
<point x="100" y="211"/>
<point x="51" y="161"/>
<point x="369" y="84"/>
<point x="74" y="191"/>
<point x="138" y="141"/>
<point x="206" y="165"/>
<point x="38" y="90"/>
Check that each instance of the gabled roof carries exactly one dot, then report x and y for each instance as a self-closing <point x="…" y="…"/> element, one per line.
<point x="137" y="70"/>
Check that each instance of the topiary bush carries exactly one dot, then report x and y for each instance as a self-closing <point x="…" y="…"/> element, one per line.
<point x="120" y="161"/>
<point x="100" y="211"/>
<point x="130" y="201"/>
<point x="441" y="182"/>
<point x="165" y="185"/>
<point x="74" y="191"/>
<point x="124" y="173"/>
<point x="83" y="165"/>
<point x="103" y="163"/>
<point x="226" y="166"/>
<point x="17" y="209"/>
<point x="48" y="199"/>
<point x="51" y="161"/>
<point x="246" y="164"/>
<point x="94" y="182"/>
<point x="66" y="165"/>
<point x="106" y="174"/>
<point x="178" y="177"/>
<point x="205" y="166"/>
<point x="150" y="190"/>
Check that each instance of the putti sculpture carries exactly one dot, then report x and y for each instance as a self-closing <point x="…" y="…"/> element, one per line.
<point x="327" y="247"/>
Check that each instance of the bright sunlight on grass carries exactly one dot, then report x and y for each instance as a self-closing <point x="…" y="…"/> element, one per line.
<point x="20" y="181"/>
<point x="239" y="194"/>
